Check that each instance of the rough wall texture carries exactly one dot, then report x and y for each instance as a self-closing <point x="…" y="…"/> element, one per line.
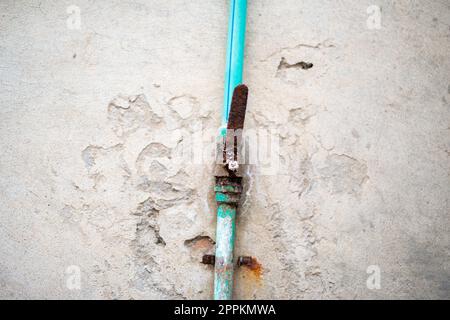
<point x="363" y="177"/>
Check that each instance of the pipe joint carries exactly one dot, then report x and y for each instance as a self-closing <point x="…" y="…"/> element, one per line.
<point x="228" y="190"/>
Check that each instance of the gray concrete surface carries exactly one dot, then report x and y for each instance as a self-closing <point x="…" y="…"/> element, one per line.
<point x="357" y="208"/>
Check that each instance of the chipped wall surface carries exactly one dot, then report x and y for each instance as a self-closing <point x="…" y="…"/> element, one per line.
<point x="96" y="204"/>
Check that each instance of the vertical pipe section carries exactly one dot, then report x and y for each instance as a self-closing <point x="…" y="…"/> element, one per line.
<point x="228" y="191"/>
<point x="235" y="54"/>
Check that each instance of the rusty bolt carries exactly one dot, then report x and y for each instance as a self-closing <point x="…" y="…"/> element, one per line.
<point x="245" y="261"/>
<point x="209" y="259"/>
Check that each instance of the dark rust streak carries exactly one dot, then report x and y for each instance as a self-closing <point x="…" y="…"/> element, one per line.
<point x="224" y="152"/>
<point x="209" y="259"/>
<point x="235" y="150"/>
<point x="238" y="106"/>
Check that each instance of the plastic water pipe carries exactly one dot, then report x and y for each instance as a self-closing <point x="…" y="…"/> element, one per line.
<point x="228" y="189"/>
<point x="235" y="55"/>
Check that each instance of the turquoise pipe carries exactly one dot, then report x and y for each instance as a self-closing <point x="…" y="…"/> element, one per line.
<point x="228" y="191"/>
<point x="235" y="55"/>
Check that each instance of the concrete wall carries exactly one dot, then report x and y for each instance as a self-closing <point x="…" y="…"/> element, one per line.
<point x="362" y="185"/>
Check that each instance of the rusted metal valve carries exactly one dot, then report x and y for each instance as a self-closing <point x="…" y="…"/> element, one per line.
<point x="232" y="139"/>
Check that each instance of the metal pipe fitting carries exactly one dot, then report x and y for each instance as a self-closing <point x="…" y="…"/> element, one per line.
<point x="228" y="191"/>
<point x="245" y="261"/>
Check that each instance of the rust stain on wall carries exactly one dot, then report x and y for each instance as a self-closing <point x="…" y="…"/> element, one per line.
<point x="253" y="271"/>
